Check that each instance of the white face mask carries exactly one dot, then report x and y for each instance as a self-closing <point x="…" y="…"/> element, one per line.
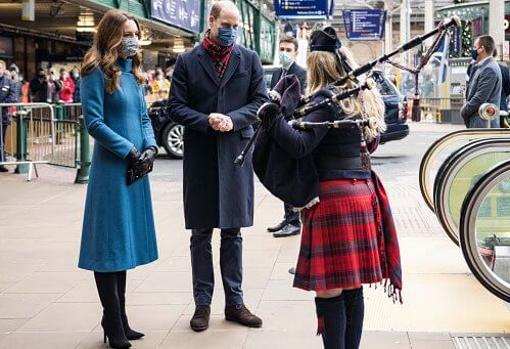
<point x="286" y="59"/>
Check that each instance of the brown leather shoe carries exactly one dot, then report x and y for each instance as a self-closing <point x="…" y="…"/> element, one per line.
<point x="200" y="320"/>
<point x="240" y="314"/>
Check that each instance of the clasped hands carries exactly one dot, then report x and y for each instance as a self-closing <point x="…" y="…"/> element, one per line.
<point x="220" y="122"/>
<point x="140" y="164"/>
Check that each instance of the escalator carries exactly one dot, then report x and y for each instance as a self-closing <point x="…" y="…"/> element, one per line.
<point x="465" y="180"/>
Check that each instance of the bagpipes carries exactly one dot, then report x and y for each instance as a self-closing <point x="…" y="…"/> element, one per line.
<point x="305" y="106"/>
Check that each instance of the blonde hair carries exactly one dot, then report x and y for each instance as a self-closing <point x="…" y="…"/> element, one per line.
<point x="105" y="50"/>
<point x="323" y="70"/>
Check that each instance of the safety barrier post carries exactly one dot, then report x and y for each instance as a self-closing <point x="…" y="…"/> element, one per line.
<point x="21" y="141"/>
<point x="82" y="175"/>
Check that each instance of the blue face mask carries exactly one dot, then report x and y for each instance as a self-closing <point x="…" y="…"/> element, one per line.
<point x="474" y="53"/>
<point x="227" y="36"/>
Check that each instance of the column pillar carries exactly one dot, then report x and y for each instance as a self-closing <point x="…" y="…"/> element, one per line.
<point x="429" y="16"/>
<point x="496" y="24"/>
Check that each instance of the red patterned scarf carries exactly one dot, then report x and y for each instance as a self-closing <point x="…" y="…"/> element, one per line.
<point x="389" y="249"/>
<point x="220" y="55"/>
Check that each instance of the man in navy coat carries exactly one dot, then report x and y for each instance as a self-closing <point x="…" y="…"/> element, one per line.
<point x="216" y="91"/>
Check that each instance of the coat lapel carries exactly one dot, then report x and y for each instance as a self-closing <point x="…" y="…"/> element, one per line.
<point x="233" y="63"/>
<point x="207" y="64"/>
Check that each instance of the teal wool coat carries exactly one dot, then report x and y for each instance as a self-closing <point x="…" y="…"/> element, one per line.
<point x="118" y="226"/>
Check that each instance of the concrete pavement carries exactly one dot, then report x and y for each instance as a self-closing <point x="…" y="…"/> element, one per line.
<point x="46" y="302"/>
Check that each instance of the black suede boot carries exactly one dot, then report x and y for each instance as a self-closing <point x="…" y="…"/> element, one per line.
<point x="355" y="313"/>
<point x="332" y="321"/>
<point x="112" y="323"/>
<point x="121" y="284"/>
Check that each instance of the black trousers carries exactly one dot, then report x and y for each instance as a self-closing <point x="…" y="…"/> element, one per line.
<point x="291" y="217"/>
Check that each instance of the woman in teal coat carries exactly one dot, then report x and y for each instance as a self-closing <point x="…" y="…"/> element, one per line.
<point x="118" y="227"/>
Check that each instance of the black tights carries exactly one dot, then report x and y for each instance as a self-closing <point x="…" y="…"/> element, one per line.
<point x="341" y="319"/>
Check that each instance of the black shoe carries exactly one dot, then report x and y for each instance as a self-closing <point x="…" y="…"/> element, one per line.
<point x="287" y="230"/>
<point x="121" y="284"/>
<point x="3" y="168"/>
<point x="111" y="322"/>
<point x="277" y="227"/>
<point x="240" y="314"/>
<point x="292" y="271"/>
<point x="200" y="320"/>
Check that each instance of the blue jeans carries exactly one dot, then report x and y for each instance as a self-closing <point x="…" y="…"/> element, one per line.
<point x="231" y="258"/>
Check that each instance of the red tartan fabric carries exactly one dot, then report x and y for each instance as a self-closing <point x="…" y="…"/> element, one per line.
<point x="340" y="238"/>
<point x="388" y="246"/>
<point x="220" y="55"/>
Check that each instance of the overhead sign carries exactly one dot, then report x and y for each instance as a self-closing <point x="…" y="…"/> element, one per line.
<point x="364" y="24"/>
<point x="180" y="13"/>
<point x="301" y="8"/>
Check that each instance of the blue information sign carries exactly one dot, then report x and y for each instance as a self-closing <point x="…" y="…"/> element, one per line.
<point x="301" y="8"/>
<point x="181" y="13"/>
<point x="364" y="24"/>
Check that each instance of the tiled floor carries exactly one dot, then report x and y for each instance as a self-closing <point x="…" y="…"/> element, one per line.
<point x="46" y="302"/>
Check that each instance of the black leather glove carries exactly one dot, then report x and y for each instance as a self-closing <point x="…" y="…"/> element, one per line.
<point x="133" y="156"/>
<point x="268" y="113"/>
<point x="146" y="160"/>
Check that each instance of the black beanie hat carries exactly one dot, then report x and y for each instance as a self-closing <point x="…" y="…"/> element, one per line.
<point x="325" y="40"/>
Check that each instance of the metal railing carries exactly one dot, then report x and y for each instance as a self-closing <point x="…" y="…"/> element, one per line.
<point x="46" y="133"/>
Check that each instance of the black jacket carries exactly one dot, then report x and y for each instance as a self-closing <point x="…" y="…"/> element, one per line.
<point x="7" y="95"/>
<point x="505" y="91"/>
<point x="294" y="69"/>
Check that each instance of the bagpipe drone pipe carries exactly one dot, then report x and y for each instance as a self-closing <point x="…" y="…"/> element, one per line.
<point x="295" y="181"/>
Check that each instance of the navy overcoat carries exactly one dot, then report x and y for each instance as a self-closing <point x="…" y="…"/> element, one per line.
<point x="217" y="193"/>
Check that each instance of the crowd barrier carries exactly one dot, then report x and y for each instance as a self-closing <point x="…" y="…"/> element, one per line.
<point x="46" y="133"/>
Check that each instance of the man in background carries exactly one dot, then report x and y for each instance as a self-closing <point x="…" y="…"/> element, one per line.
<point x="484" y="84"/>
<point x="7" y="95"/>
<point x="290" y="225"/>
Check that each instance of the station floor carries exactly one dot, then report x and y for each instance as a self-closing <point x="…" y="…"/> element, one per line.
<point x="47" y="302"/>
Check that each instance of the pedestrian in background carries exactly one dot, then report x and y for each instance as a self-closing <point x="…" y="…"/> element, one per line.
<point x="7" y="95"/>
<point x="216" y="91"/>
<point x="290" y="225"/>
<point x="75" y="75"/>
<point x="505" y="90"/>
<point x="39" y="88"/>
<point x="160" y="86"/>
<point x="54" y="87"/>
<point x="17" y="80"/>
<point x="118" y="225"/>
<point x="485" y="84"/>
<point x="67" y="91"/>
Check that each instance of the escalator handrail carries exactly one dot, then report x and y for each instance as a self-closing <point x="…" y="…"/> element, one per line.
<point x="467" y="229"/>
<point x="440" y="144"/>
<point x="450" y="167"/>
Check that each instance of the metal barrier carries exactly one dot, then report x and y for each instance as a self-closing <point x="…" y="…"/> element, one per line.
<point x="45" y="133"/>
<point x="442" y="109"/>
<point x="67" y="125"/>
<point x="29" y="138"/>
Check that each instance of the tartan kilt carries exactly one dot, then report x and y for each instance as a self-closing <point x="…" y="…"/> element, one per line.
<point x="339" y="241"/>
